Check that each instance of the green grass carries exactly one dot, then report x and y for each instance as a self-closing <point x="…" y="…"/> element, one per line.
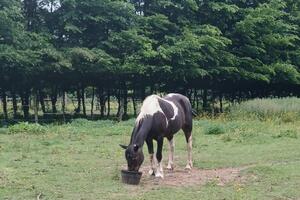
<point x="82" y="160"/>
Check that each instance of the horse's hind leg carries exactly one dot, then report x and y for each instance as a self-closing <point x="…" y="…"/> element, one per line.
<point x="188" y="137"/>
<point x="171" y="154"/>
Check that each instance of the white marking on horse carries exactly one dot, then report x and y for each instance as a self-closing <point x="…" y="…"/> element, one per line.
<point x="150" y="106"/>
<point x="175" y="109"/>
<point x="159" y="170"/>
<point x="171" y="94"/>
<point x="189" y="164"/>
<point x="152" y="163"/>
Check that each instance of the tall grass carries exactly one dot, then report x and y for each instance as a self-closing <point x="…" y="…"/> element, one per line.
<point x="285" y="109"/>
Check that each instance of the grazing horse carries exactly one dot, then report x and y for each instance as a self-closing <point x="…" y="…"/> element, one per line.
<point x="159" y="118"/>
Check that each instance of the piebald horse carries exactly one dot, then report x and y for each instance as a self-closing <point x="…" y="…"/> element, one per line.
<point x="159" y="118"/>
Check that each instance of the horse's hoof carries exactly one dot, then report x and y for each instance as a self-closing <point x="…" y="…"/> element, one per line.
<point x="151" y="172"/>
<point x="170" y="167"/>
<point x="159" y="175"/>
<point x="188" y="167"/>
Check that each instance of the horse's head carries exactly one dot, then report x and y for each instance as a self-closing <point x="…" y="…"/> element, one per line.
<point x="134" y="156"/>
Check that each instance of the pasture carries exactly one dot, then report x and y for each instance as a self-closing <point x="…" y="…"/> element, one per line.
<point x="246" y="158"/>
<point x="73" y="75"/>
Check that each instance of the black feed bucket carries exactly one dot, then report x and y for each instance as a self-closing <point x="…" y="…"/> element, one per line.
<point x="131" y="177"/>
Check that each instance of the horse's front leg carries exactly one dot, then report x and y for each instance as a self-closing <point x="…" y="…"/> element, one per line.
<point x="159" y="168"/>
<point x="151" y="153"/>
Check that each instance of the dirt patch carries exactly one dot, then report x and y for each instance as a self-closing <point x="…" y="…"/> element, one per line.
<point x="181" y="177"/>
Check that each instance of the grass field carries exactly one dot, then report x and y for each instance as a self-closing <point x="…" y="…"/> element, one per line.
<point x="82" y="160"/>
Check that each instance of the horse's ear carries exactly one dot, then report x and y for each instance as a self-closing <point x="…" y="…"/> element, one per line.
<point x="135" y="147"/>
<point x="123" y="146"/>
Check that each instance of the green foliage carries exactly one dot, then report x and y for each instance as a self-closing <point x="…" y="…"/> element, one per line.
<point x="199" y="52"/>
<point x="10" y="21"/>
<point x="257" y="42"/>
<point x="286" y="133"/>
<point x="214" y="129"/>
<point x="27" y="128"/>
<point x="270" y="40"/>
<point x="227" y="47"/>
<point x="286" y="73"/>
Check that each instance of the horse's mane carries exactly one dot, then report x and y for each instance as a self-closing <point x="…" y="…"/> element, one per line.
<point x="141" y="127"/>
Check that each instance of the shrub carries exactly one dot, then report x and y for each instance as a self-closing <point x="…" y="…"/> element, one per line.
<point x="25" y="127"/>
<point x="227" y="138"/>
<point x="286" y="133"/>
<point x="214" y="129"/>
<point x="80" y="122"/>
<point x="289" y="117"/>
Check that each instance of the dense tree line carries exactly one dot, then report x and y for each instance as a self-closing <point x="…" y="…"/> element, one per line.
<point x="209" y="50"/>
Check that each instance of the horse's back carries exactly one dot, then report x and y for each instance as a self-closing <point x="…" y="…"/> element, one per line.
<point x="180" y="100"/>
<point x="183" y="103"/>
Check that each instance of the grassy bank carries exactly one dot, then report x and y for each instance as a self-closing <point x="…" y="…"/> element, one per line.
<point x="278" y="109"/>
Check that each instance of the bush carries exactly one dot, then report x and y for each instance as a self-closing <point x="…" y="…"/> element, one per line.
<point x="286" y="133"/>
<point x="80" y="122"/>
<point x="214" y="129"/>
<point x="26" y="127"/>
<point x="290" y="117"/>
<point x="227" y="138"/>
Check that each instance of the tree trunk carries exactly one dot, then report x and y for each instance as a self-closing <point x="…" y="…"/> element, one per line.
<point x="189" y="93"/>
<point x="77" y="110"/>
<point x="232" y="98"/>
<point x="205" y="103"/>
<point x="134" y="104"/>
<point x="108" y="103"/>
<point x="35" y="106"/>
<point x="42" y="102"/>
<point x="25" y="104"/>
<point x="221" y="102"/>
<point x="240" y="96"/>
<point x="125" y="102"/>
<point x="152" y="89"/>
<point x="102" y="102"/>
<point x="143" y="93"/>
<point x="197" y="104"/>
<point x="194" y="98"/>
<point x="92" y="103"/>
<point x="212" y="110"/>
<point x="63" y="105"/>
<point x="121" y="108"/>
<point x="4" y="104"/>
<point x="146" y="7"/>
<point x="119" y="102"/>
<point x="54" y="99"/>
<point x="15" y="104"/>
<point x="83" y="101"/>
